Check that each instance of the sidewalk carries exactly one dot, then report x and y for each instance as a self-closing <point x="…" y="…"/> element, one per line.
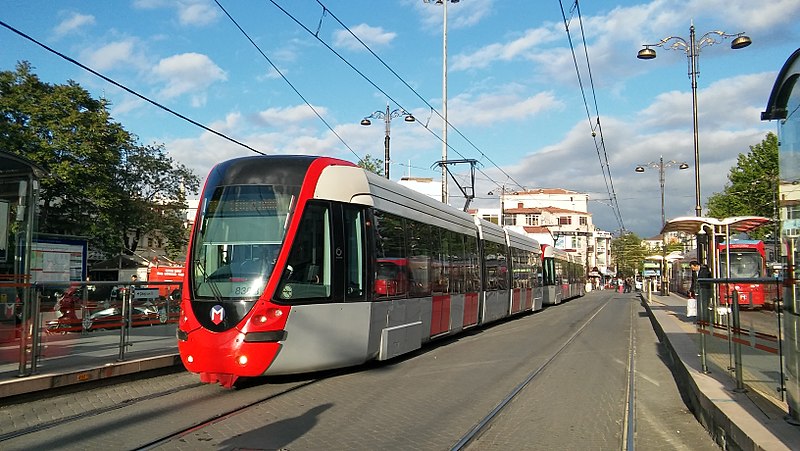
<point x="74" y="358"/>
<point x="737" y="420"/>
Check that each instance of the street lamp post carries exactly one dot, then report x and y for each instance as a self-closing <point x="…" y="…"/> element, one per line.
<point x="444" y="92"/>
<point x="387" y="117"/>
<point x="692" y="49"/>
<point x="660" y="165"/>
<point x="502" y="219"/>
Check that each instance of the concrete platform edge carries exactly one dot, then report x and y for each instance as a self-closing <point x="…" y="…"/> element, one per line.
<point x="38" y="382"/>
<point x="732" y="419"/>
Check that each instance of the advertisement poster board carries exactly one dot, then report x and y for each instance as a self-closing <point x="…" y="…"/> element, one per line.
<point x="58" y="260"/>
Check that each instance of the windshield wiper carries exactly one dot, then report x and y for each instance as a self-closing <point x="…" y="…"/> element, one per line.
<point x="211" y="284"/>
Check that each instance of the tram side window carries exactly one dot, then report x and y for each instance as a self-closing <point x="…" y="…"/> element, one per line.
<point x="535" y="265"/>
<point x="521" y="268"/>
<point x="419" y="257"/>
<point x="308" y="270"/>
<point x="441" y="261"/>
<point x="457" y="262"/>
<point x="471" y="264"/>
<point x="392" y="274"/>
<point x="495" y="262"/>
<point x="560" y="272"/>
<point x="355" y="264"/>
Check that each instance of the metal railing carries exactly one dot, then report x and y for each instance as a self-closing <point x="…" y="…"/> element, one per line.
<point x="50" y="326"/>
<point x="746" y="344"/>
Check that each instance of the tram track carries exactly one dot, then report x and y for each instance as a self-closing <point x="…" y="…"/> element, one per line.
<point x="223" y="416"/>
<point x="87" y="414"/>
<point x="486" y="422"/>
<point x="50" y="418"/>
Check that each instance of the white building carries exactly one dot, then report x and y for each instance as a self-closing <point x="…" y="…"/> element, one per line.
<point x="558" y="217"/>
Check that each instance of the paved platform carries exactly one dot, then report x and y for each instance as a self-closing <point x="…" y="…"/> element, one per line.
<point x="71" y="359"/>
<point x="738" y="420"/>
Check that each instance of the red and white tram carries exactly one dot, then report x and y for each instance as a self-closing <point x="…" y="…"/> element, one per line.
<point x="564" y="277"/>
<point x="300" y="263"/>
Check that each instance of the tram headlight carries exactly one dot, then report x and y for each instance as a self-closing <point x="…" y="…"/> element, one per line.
<point x="269" y="315"/>
<point x="242" y="360"/>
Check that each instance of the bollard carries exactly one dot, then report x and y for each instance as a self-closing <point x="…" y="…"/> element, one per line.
<point x="737" y="347"/>
<point x="702" y="321"/>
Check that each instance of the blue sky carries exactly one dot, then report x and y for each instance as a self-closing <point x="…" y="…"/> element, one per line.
<point x="513" y="88"/>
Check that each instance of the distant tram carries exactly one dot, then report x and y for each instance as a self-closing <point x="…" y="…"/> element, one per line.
<point x="747" y="261"/>
<point x="564" y="275"/>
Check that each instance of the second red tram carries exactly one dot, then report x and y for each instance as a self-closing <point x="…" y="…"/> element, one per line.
<point x="747" y="260"/>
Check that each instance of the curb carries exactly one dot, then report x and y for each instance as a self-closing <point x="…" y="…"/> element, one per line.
<point x="39" y="382"/>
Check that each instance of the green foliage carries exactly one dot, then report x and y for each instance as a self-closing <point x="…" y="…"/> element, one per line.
<point x="628" y="253"/>
<point x="371" y="164"/>
<point x="753" y="185"/>
<point x="101" y="182"/>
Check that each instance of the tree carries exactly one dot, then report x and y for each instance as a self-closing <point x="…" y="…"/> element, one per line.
<point x="101" y="182"/>
<point x="371" y="164"/>
<point x="628" y="253"/>
<point x="753" y="185"/>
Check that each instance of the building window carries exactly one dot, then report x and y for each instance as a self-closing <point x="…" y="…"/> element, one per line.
<point x="532" y="220"/>
<point x="793" y="212"/>
<point x="583" y="220"/>
<point x="565" y="220"/>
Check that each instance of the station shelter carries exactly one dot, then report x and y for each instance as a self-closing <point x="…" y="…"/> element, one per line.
<point x="783" y="106"/>
<point x="19" y="195"/>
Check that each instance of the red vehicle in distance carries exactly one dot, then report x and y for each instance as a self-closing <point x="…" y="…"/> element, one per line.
<point x="392" y="278"/>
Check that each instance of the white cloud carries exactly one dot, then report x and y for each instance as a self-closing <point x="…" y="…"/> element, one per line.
<point x="372" y="36"/>
<point x="459" y="15"/>
<point x="73" y="22"/>
<point x="289" y="115"/>
<point x="196" y="13"/>
<point x="500" y="106"/>
<point x="187" y="73"/>
<point x="114" y="55"/>
<point x="508" y="51"/>
<point x="190" y="12"/>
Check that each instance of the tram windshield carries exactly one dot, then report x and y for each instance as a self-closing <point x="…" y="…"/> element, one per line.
<point x="241" y="231"/>
<point x="743" y="264"/>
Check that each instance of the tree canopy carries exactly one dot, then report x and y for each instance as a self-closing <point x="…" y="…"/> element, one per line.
<point x="752" y="188"/>
<point x="102" y="182"/>
<point x="373" y="165"/>
<point x="629" y="253"/>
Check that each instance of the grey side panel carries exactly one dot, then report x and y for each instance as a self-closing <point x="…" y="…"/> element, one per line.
<point x="324" y="336"/>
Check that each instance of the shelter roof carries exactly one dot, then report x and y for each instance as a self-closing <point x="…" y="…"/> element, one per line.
<point x="693" y="224"/>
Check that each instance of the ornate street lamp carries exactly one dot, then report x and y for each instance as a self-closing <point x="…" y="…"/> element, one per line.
<point x="660" y="165"/>
<point x="387" y="117"/>
<point x="692" y="49"/>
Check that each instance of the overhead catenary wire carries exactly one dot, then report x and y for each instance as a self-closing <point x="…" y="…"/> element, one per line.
<point x="326" y="10"/>
<point x="274" y="67"/>
<point x="595" y="129"/>
<point x="128" y="90"/>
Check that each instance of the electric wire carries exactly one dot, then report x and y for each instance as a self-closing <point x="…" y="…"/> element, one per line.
<point x="599" y="146"/>
<point x="286" y="79"/>
<point x="417" y="94"/>
<point x="126" y="89"/>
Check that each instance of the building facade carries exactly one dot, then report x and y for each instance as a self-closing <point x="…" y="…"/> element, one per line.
<point x="556" y="216"/>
